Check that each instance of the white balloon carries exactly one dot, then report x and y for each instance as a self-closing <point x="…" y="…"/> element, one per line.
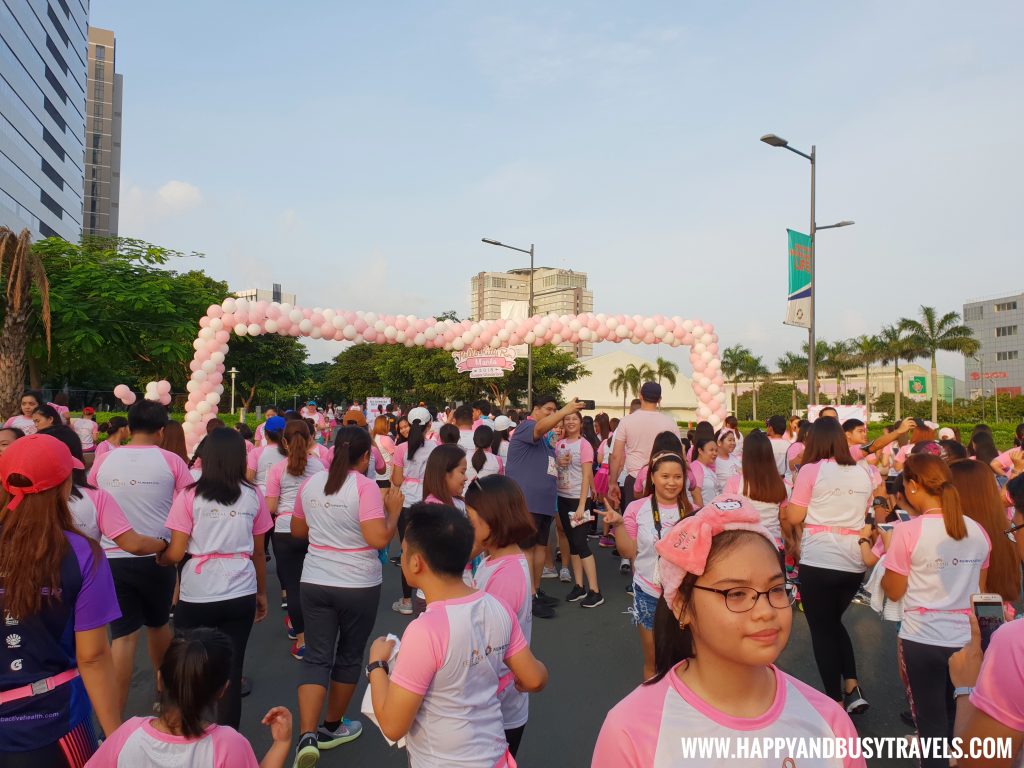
<point x="193" y="417"/>
<point x="241" y="305"/>
<point x="241" y="329"/>
<point x="203" y="408"/>
<point x="209" y="366"/>
<point x="648" y="324"/>
<point x="254" y="329"/>
<point x="228" y="305"/>
<point x="698" y="348"/>
<point x="213" y="398"/>
<point x="400" y="337"/>
<point x="705" y="356"/>
<point x="688" y="325"/>
<point x="206" y="333"/>
<point x="556" y="338"/>
<point x="199" y="375"/>
<point x="316" y="333"/>
<point x="295" y="316"/>
<point x="328" y="316"/>
<point x="457" y="343"/>
<point x="431" y="333"/>
<point x="305" y="326"/>
<point x="286" y="308"/>
<point x="380" y="326"/>
<point x="621" y="331"/>
<point x="191" y="386"/>
<point x="338" y="322"/>
<point x="270" y="326"/>
<point x="419" y="339"/>
<point x="219" y="389"/>
<point x="215" y="324"/>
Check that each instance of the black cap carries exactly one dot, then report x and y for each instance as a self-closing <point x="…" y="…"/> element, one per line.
<point x="651" y="391"/>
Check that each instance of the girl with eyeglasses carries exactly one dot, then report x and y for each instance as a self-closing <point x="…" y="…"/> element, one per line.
<point x="722" y="621"/>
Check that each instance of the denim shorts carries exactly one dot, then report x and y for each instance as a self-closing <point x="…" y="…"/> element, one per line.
<point x="643" y="608"/>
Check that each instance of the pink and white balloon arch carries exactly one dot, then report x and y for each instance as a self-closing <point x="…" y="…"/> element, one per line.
<point x="255" y="318"/>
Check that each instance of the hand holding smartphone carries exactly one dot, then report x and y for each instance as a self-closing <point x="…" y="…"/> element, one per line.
<point x="988" y="610"/>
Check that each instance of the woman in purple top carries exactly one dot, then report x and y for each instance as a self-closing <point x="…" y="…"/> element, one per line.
<point x="57" y="597"/>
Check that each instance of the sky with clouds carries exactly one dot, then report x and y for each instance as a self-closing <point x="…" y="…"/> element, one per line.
<point x="357" y="152"/>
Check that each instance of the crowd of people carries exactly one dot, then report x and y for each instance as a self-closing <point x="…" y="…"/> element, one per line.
<point x="102" y="539"/>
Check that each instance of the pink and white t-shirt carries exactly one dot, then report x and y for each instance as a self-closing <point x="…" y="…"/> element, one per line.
<point x="285" y="486"/>
<point x="87" y="431"/>
<point x="726" y="468"/>
<point x="412" y="470"/>
<point x="24" y="423"/>
<point x="508" y="579"/>
<point x="260" y="460"/>
<point x="338" y="554"/>
<point x="942" y="574"/>
<point x="1004" y="461"/>
<point x="780" y="447"/>
<point x="220" y="542"/>
<point x="703" y="477"/>
<point x="836" y="497"/>
<point x="143" y="480"/>
<point x="104" y="447"/>
<point x="137" y="742"/>
<point x="452" y="655"/>
<point x="639" y="524"/>
<point x="768" y="511"/>
<point x="570" y="457"/>
<point x="493" y="465"/>
<point x="795" y="452"/>
<point x="645" y="728"/>
<point x="1001" y="679"/>
<point x="97" y="515"/>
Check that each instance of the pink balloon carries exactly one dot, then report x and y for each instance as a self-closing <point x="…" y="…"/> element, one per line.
<point x="273" y="311"/>
<point x="650" y="338"/>
<point x="223" y="337"/>
<point x="229" y="320"/>
<point x="163" y="386"/>
<point x="195" y="364"/>
<point x="121" y="391"/>
<point x="316" y="318"/>
<point x="328" y="329"/>
<point x="204" y="322"/>
<point x="129" y="399"/>
<point x="165" y="399"/>
<point x="214" y="310"/>
<point x="706" y="397"/>
<point x="401" y="323"/>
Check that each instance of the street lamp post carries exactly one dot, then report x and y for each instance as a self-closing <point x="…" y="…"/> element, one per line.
<point x="233" y="372"/>
<point x="529" y="312"/>
<point x="981" y="365"/>
<point x="775" y="141"/>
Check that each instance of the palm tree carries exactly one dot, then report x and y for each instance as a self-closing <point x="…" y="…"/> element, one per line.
<point x="867" y="351"/>
<point x="667" y="370"/>
<point x="754" y="371"/>
<point x="931" y="334"/>
<point x="629" y="380"/>
<point x="792" y="366"/>
<point x="837" y="361"/>
<point x="821" y="354"/>
<point x="733" y="359"/>
<point x="21" y="270"/>
<point x="894" y="348"/>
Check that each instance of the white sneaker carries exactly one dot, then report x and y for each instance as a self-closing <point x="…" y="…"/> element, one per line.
<point x="549" y="573"/>
<point x="402" y="607"/>
<point x="624" y="566"/>
<point x="564" y="575"/>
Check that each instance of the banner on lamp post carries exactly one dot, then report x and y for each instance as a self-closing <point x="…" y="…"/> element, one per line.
<point x="798" y="306"/>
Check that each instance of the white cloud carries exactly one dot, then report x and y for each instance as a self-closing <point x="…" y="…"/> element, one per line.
<point x="143" y="208"/>
<point x="179" y="196"/>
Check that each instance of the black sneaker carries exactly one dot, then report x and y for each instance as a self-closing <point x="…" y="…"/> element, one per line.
<point x="592" y="600"/>
<point x="629" y="588"/>
<point x="541" y="611"/>
<point x="577" y="593"/>
<point x="245" y="687"/>
<point x="307" y="753"/>
<point x="855" y="702"/>
<point x="545" y="599"/>
<point x="396" y="560"/>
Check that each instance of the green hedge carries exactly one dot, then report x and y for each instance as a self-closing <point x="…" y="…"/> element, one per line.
<point x="1002" y="432"/>
<point x="251" y="419"/>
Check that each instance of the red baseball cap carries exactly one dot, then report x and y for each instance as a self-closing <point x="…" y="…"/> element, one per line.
<point x="88" y="410"/>
<point x="44" y="460"/>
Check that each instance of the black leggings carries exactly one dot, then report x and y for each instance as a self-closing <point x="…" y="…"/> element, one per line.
<point x="403" y="520"/>
<point x="826" y="594"/>
<point x="577" y="536"/>
<point x="514" y="737"/>
<point x="930" y="692"/>
<point x="340" y="622"/>
<point x="290" y="554"/>
<point x="234" y="618"/>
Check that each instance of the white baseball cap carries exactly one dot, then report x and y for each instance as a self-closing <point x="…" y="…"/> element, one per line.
<point x="420" y="416"/>
<point x="502" y="423"/>
<point x="946" y="434"/>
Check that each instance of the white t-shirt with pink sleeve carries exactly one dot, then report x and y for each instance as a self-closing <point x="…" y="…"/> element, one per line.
<point x="260" y="460"/>
<point x="726" y="468"/>
<point x="24" y="423"/>
<point x="997" y="692"/>
<point x="703" y="477"/>
<point x="942" y="574"/>
<point x="645" y="729"/>
<point x="768" y="511"/>
<point x="570" y="458"/>
<point x="412" y="470"/>
<point x="508" y="579"/>
<point x="452" y="655"/>
<point x="639" y="524"/>
<point x="285" y="486"/>
<point x="137" y="743"/>
<point x="837" y="497"/>
<point x="87" y="431"/>
<point x="338" y="554"/>
<point x="220" y="542"/>
<point x="143" y="480"/>
<point x="97" y="515"/>
<point x="493" y="465"/>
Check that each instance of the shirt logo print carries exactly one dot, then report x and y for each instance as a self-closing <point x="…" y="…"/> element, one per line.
<point x="9" y="620"/>
<point x="16" y="665"/>
<point x="13" y="641"/>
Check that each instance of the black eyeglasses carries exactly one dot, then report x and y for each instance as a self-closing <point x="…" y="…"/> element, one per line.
<point x="743" y="599"/>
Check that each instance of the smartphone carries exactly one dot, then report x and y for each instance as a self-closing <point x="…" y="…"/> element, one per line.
<point x="988" y="610"/>
<point x="887" y="527"/>
<point x="869" y="519"/>
<point x="589" y="405"/>
<point x="903" y="515"/>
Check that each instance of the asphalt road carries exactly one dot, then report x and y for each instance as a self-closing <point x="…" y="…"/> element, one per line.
<point x="594" y="660"/>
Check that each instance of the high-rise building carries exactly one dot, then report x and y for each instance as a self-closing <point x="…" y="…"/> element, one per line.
<point x="498" y="295"/>
<point x="42" y="115"/>
<point x="103" y="136"/>
<point x="998" y="324"/>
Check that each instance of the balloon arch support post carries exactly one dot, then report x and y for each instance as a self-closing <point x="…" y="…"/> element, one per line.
<point x="255" y="318"/>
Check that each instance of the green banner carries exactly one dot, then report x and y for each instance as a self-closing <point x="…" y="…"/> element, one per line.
<point x="798" y="310"/>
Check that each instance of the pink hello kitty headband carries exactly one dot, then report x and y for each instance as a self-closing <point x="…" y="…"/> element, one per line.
<point x="686" y="546"/>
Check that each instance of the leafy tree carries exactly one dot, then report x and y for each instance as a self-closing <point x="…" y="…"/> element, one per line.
<point x="933" y="333"/>
<point x="821" y="353"/>
<point x="772" y="398"/>
<point x="895" y="347"/>
<point x="793" y="366"/>
<point x="733" y="360"/>
<point x="667" y="370"/>
<point x="866" y="351"/>
<point x="553" y="369"/>
<point x="24" y="275"/>
<point x="629" y="380"/>
<point x="263" y="360"/>
<point x="754" y="370"/>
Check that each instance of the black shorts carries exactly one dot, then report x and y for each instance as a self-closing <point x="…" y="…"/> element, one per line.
<point x="543" y="524"/>
<point x="144" y="593"/>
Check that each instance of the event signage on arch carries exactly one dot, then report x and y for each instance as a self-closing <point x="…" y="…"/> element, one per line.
<point x="256" y="318"/>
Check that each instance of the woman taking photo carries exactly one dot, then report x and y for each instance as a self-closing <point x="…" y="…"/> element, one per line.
<point x="574" y="457"/>
<point x="342" y="515"/>
<point x="934" y="563"/>
<point x="60" y="644"/>
<point x="825" y="515"/>
<point x="643" y="525"/>
<point x="283" y="482"/>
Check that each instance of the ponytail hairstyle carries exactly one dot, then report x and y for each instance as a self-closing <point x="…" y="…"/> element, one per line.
<point x="193" y="674"/>
<point x="416" y="438"/>
<point x="351" y="446"/>
<point x="685" y="509"/>
<point x="933" y="475"/>
<point x="482" y="439"/>
<point x="297" y="438"/>
<point x="114" y="425"/>
<point x="70" y="438"/>
<point x="276" y="438"/>
<point x="443" y="459"/>
<point x="674" y="643"/>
